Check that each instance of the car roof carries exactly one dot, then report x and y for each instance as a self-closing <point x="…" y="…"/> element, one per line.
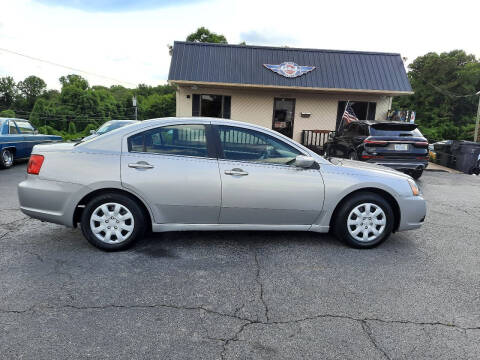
<point x="2" y="119"/>
<point x="125" y="120"/>
<point x="113" y="138"/>
<point x="373" y="122"/>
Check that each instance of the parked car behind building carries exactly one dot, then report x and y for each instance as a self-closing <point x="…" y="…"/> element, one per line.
<point x="109" y="126"/>
<point x="17" y="138"/>
<point x="398" y="145"/>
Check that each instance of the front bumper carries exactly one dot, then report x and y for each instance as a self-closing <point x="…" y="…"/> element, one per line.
<point x="48" y="200"/>
<point x="413" y="211"/>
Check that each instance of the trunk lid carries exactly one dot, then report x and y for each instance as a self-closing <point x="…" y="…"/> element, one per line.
<point x="50" y="147"/>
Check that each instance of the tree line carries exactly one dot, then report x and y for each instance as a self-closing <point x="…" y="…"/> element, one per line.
<point x="444" y="97"/>
<point x="445" y="86"/>
<point x="78" y="107"/>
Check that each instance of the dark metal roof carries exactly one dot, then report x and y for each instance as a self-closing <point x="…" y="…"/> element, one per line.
<point x="243" y="65"/>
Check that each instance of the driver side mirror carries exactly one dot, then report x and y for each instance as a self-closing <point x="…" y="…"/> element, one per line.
<point x="35" y="131"/>
<point x="304" y="162"/>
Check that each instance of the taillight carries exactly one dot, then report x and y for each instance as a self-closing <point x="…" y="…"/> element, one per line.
<point x="421" y="144"/>
<point x="375" y="142"/>
<point x="35" y="164"/>
<point x="373" y="157"/>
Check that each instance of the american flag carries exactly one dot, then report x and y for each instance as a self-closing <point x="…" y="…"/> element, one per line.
<point x="349" y="114"/>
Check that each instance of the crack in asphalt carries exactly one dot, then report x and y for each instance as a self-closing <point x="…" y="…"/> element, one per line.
<point x="369" y="333"/>
<point x="7" y="226"/>
<point x="258" y="279"/>
<point x="249" y="322"/>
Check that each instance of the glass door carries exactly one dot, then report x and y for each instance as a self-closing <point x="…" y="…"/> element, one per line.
<point x="283" y="116"/>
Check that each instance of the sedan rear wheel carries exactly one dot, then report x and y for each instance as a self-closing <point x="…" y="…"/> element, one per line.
<point x="6" y="159"/>
<point x="364" y="220"/>
<point x="112" y="222"/>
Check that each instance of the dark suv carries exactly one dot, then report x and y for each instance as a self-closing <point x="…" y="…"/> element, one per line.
<point x="397" y="145"/>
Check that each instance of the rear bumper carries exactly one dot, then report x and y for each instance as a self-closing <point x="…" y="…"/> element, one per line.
<point x="401" y="165"/>
<point x="413" y="212"/>
<point x="47" y="200"/>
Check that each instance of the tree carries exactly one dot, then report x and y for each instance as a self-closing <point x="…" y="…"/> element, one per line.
<point x="204" y="35"/>
<point x="72" y="129"/>
<point x="8" y="91"/>
<point x="157" y="105"/>
<point x="7" y="114"/>
<point x="31" y="88"/>
<point x="74" y="80"/>
<point x="443" y="85"/>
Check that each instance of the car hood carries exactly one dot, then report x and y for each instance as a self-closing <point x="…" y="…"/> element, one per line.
<point x="360" y="165"/>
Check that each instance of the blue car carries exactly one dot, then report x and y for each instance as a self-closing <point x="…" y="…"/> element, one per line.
<point x="17" y="138"/>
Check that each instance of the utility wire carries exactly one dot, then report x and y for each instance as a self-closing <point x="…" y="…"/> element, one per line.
<point x="65" y="66"/>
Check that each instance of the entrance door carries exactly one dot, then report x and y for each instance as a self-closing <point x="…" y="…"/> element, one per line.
<point x="283" y="116"/>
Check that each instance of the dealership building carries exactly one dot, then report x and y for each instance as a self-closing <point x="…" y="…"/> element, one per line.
<point x="286" y="89"/>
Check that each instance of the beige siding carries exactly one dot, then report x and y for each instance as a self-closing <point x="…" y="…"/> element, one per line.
<point x="256" y="106"/>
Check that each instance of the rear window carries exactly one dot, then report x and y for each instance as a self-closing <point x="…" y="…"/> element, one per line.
<point x="396" y="131"/>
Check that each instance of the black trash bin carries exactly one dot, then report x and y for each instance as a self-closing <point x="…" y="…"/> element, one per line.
<point x="467" y="154"/>
<point x="443" y="151"/>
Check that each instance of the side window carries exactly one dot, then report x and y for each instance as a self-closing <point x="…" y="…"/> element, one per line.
<point x="355" y="130"/>
<point x="12" y="129"/>
<point x="25" y="127"/>
<point x="186" y="140"/>
<point x="348" y="130"/>
<point x="363" y="130"/>
<point x="255" y="146"/>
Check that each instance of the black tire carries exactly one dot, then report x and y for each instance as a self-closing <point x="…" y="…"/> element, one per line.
<point x="4" y="155"/>
<point x="353" y="155"/>
<point x="131" y="205"/>
<point x="340" y="227"/>
<point x="416" y="174"/>
<point x="327" y="151"/>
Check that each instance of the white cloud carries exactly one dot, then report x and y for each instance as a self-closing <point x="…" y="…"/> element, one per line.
<point x="132" y="46"/>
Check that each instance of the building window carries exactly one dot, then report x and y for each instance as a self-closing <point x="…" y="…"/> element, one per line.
<point x="208" y="105"/>
<point x="363" y="110"/>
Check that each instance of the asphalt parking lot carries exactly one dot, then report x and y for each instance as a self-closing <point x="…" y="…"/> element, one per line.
<point x="245" y="295"/>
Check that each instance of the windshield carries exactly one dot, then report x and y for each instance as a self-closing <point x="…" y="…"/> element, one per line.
<point x="395" y="132"/>
<point x="109" y="126"/>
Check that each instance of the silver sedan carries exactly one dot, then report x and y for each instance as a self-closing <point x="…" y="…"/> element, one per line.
<point x="178" y="174"/>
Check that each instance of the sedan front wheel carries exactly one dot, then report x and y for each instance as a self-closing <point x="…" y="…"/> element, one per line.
<point x="112" y="222"/>
<point x="364" y="220"/>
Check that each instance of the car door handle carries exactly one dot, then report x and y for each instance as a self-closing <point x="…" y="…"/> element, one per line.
<point x="236" y="172"/>
<point x="140" y="165"/>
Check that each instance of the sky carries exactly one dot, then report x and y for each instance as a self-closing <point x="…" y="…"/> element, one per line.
<point x="126" y="42"/>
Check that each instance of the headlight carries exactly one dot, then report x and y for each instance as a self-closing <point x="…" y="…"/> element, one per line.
<point x="414" y="187"/>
